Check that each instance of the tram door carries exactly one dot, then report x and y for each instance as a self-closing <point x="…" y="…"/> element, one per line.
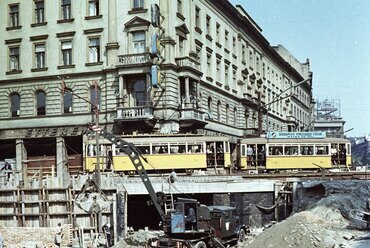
<point x="215" y="154"/>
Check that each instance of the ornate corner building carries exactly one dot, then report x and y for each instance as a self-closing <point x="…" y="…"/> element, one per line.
<point x="155" y="67"/>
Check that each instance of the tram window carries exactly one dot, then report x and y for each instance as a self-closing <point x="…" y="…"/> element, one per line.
<point x="219" y="147"/>
<point x="160" y="149"/>
<point x="210" y="148"/>
<point x="306" y="150"/>
<point x="144" y="149"/>
<point x="194" y="148"/>
<point x="348" y="149"/>
<point x="291" y="150"/>
<point x="342" y="149"/>
<point x="243" y="151"/>
<point x="175" y="149"/>
<point x="322" y="150"/>
<point x="276" y="150"/>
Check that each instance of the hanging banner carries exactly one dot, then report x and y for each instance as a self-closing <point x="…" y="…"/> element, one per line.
<point x="296" y="135"/>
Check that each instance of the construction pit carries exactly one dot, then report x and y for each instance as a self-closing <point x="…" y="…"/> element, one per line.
<point x="317" y="213"/>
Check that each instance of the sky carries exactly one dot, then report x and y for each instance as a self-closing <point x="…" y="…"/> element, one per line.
<point x="335" y="36"/>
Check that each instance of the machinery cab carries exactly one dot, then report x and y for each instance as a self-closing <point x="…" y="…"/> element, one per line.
<point x="224" y="221"/>
<point x="189" y="216"/>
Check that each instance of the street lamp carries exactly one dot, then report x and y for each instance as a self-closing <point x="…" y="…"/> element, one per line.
<point x="275" y="99"/>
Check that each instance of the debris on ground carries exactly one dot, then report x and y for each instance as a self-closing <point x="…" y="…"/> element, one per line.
<point x="325" y="222"/>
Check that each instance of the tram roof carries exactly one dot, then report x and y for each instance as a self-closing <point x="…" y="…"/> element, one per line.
<point x="263" y="140"/>
<point x="166" y="139"/>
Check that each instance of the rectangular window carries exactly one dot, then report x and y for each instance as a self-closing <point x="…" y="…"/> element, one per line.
<point x="94" y="50"/>
<point x="40" y="55"/>
<point x="66" y="9"/>
<point x="67" y="53"/>
<point x="181" y="44"/>
<point x="14" y="15"/>
<point x="226" y="38"/>
<point x="234" y="45"/>
<point x="179" y="6"/>
<point x="93" y="7"/>
<point x="218" y="64"/>
<point x="139" y="42"/>
<point x="197" y="17"/>
<point x="226" y="74"/>
<point x="208" y="25"/>
<point x="218" y="32"/>
<point x="209" y="57"/>
<point x="14" y="58"/>
<point x="39" y="12"/>
<point x="243" y="53"/>
<point x="138" y="4"/>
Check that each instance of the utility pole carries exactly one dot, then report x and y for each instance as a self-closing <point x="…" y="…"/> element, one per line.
<point x="96" y="111"/>
<point x="259" y="113"/>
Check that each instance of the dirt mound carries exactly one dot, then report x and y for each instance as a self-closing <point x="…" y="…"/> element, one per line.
<point x="325" y="223"/>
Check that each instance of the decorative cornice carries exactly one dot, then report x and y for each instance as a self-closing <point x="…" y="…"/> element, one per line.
<point x="66" y="34"/>
<point x="12" y="41"/>
<point x="39" y="37"/>
<point x="93" y="31"/>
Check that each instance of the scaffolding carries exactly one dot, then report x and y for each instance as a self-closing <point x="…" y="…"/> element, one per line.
<point x="327" y="109"/>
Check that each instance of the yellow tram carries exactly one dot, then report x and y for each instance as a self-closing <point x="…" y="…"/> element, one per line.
<point x="295" y="153"/>
<point x="182" y="153"/>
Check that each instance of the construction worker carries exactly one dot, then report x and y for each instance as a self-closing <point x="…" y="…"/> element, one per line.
<point x="59" y="234"/>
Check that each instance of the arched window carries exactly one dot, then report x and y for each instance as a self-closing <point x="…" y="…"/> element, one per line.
<point x="95" y="98"/>
<point x="227" y="114"/>
<point x="209" y="107"/>
<point x="137" y="92"/>
<point x="67" y="102"/>
<point x="41" y="102"/>
<point x="235" y="116"/>
<point x="219" y="111"/>
<point x="246" y="118"/>
<point x="15" y="103"/>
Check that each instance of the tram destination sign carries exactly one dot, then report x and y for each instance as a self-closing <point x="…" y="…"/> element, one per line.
<point x="296" y="135"/>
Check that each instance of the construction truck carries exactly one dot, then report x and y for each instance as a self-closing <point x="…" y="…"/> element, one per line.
<point x="211" y="226"/>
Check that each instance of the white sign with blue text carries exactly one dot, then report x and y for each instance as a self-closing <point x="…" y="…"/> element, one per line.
<point x="296" y="135"/>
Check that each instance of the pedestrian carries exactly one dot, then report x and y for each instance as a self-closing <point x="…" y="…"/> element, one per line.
<point x="58" y="235"/>
<point x="8" y="169"/>
<point x="108" y="234"/>
<point x="1" y="241"/>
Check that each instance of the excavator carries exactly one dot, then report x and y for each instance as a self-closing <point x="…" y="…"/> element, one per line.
<point x="213" y="226"/>
<point x="361" y="216"/>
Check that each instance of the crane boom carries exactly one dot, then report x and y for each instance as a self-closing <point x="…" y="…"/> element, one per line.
<point x="135" y="156"/>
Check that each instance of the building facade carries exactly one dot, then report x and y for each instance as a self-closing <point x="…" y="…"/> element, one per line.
<point x="149" y="66"/>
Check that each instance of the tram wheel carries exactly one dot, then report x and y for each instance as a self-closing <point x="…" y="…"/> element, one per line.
<point x="189" y="172"/>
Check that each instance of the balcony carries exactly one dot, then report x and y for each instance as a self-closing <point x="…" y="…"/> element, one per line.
<point x="187" y="63"/>
<point x="192" y="118"/>
<point x="135" y="113"/>
<point x="134" y="59"/>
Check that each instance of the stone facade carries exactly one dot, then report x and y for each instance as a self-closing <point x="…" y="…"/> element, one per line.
<point x="217" y="74"/>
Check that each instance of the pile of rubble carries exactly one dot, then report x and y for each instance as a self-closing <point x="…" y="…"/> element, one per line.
<point x="323" y="221"/>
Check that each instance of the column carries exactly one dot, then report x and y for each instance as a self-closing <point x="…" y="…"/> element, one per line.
<point x="120" y="91"/>
<point x="20" y="154"/>
<point x="61" y="162"/>
<point x="187" y="97"/>
<point x="112" y="45"/>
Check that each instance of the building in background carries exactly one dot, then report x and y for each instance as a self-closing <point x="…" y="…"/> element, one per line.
<point x="328" y="118"/>
<point x="158" y="67"/>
